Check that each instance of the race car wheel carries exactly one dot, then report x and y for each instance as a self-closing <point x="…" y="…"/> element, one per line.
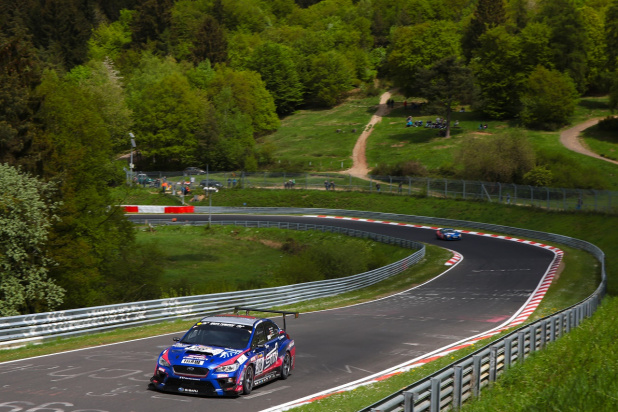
<point x="286" y="366"/>
<point x="247" y="384"/>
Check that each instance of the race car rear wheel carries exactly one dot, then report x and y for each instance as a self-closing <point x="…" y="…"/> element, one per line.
<point x="286" y="366"/>
<point x="247" y="383"/>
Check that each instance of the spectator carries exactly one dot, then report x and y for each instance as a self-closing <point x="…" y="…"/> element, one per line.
<point x="332" y="185"/>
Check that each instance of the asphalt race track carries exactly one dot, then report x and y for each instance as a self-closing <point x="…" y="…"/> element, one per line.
<point x="334" y="347"/>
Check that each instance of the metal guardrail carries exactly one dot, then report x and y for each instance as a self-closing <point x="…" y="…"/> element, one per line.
<point x="20" y="330"/>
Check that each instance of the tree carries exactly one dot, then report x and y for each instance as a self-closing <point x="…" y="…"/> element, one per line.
<point x="250" y="95"/>
<point x="91" y="233"/>
<point x="549" y="99"/>
<point x="331" y="77"/>
<point x="445" y="84"/>
<point x="418" y="47"/>
<point x="569" y="38"/>
<point x="19" y="74"/>
<point x="498" y="74"/>
<point x="611" y="35"/>
<point x="487" y="15"/>
<point x="275" y="64"/>
<point x="27" y="212"/>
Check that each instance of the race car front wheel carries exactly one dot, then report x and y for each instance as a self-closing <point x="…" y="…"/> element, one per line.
<point x="247" y="384"/>
<point x="286" y="366"/>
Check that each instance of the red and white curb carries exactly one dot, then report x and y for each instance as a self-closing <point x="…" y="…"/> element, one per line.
<point x="454" y="260"/>
<point x="158" y="209"/>
<point x="520" y="317"/>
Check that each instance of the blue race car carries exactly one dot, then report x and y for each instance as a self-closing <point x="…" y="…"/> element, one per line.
<point x="226" y="355"/>
<point x="448" y="234"/>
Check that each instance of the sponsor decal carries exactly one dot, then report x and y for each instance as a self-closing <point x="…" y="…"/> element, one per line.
<point x="241" y="359"/>
<point x="189" y="379"/>
<point x="187" y="390"/>
<point x="223" y="375"/>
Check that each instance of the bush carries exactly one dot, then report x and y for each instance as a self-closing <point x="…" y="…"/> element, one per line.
<point x="549" y="100"/>
<point x="504" y="158"/>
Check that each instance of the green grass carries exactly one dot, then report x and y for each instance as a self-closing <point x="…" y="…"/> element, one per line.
<point x="548" y="382"/>
<point x="200" y="260"/>
<point x="308" y="139"/>
<point x="604" y="143"/>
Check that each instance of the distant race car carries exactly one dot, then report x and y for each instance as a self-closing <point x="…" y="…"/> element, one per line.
<point x="226" y="355"/>
<point x="448" y="234"/>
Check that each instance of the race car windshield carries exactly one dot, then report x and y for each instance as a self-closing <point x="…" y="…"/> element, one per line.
<point x="233" y="337"/>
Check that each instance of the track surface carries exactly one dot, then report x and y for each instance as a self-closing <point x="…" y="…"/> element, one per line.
<point x="334" y="347"/>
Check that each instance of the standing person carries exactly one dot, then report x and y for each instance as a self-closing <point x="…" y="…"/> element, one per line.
<point x="400" y="187"/>
<point x="332" y="185"/>
<point x="378" y="187"/>
<point x="326" y="185"/>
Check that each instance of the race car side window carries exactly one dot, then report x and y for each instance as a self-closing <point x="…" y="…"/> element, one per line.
<point x="272" y="330"/>
<point x="260" y="336"/>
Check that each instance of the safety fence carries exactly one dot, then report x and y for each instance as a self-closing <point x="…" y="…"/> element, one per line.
<point x="506" y="193"/>
<point x="20" y="330"/>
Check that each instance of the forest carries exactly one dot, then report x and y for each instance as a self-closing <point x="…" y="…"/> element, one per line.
<point x="203" y="81"/>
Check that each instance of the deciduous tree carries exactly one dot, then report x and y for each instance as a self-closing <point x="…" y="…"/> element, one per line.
<point x="27" y="212"/>
<point x="445" y="84"/>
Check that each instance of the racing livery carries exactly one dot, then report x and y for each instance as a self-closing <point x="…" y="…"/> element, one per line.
<point x="448" y="234"/>
<point x="225" y="355"/>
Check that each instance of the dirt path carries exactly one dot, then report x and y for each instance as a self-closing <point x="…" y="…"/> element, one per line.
<point x="571" y="140"/>
<point x="359" y="166"/>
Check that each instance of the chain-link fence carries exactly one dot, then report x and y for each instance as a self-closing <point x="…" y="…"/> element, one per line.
<point x="506" y="193"/>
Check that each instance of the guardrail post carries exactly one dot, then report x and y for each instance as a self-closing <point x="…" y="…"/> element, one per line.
<point x="533" y="338"/>
<point x="508" y="352"/>
<point x="475" y="381"/>
<point x="457" y="386"/>
<point x="543" y="337"/>
<point x="521" y="350"/>
<point x="493" y="361"/>
<point x="434" y="404"/>
<point x="552" y="328"/>
<point x="409" y="400"/>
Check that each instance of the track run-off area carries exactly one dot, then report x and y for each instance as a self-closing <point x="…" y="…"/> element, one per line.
<point x="492" y="283"/>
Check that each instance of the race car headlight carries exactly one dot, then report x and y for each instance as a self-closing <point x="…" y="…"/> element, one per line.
<point x="163" y="362"/>
<point x="227" y="368"/>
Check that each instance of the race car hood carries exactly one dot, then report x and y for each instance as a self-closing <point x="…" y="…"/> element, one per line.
<point x="201" y="355"/>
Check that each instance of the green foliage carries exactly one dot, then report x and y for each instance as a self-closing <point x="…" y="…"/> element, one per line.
<point x="109" y="40"/>
<point x="611" y="35"/>
<point x="249" y="95"/>
<point x="539" y="176"/>
<point x="569" y="38"/>
<point x="419" y="47"/>
<point x="487" y="15"/>
<point x="498" y="73"/>
<point x="408" y="168"/>
<point x="104" y="82"/>
<point x="331" y="77"/>
<point x="445" y="85"/>
<point x="19" y="73"/>
<point x="278" y="70"/>
<point x="90" y="235"/>
<point x="548" y="100"/>
<point x="27" y="212"/>
<point x="505" y="158"/>
<point x="566" y="172"/>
